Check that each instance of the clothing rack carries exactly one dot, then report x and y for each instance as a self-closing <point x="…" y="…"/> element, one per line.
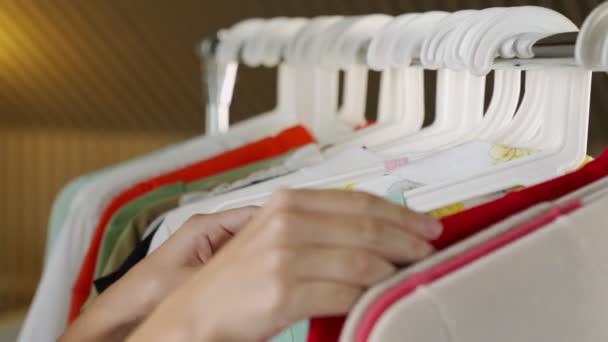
<point x="220" y="79"/>
<point x="469" y="164"/>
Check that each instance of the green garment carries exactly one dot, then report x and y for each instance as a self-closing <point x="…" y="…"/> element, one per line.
<point x="134" y="232"/>
<point x="124" y="220"/>
<point x="210" y="183"/>
<point x="126" y="214"/>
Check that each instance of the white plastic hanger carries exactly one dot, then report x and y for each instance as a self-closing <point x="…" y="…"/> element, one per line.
<point x="401" y="89"/>
<point x="546" y="21"/>
<point x="325" y="53"/>
<point x="232" y="41"/>
<point x="525" y="128"/>
<point x="459" y="107"/>
<point x="402" y="85"/>
<point x="351" y="176"/>
<point x="592" y="44"/>
<point x="506" y="89"/>
<point x="266" y="43"/>
<point x="429" y="46"/>
<point x="220" y="73"/>
<point x="325" y="81"/>
<point x="462" y="45"/>
<point x="344" y="55"/>
<point x="267" y="48"/>
<point x="457" y="93"/>
<point x="510" y="98"/>
<point x="574" y="101"/>
<point x="295" y="53"/>
<point x="404" y="30"/>
<point x="560" y="97"/>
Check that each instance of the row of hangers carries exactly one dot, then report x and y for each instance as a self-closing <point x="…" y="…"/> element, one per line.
<point x="464" y="47"/>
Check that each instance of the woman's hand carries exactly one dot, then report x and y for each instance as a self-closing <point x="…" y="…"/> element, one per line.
<point x="306" y="253"/>
<point x="128" y="302"/>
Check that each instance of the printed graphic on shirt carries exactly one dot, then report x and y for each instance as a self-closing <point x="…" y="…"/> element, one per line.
<point x="348" y="187"/>
<point x="502" y="153"/>
<point x="587" y="160"/>
<point x="396" y="182"/>
<point x="390" y="165"/>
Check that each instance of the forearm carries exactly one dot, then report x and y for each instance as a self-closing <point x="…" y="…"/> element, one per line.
<point x="113" y="316"/>
<point x="174" y="320"/>
<point x="100" y="325"/>
<point x="160" y="329"/>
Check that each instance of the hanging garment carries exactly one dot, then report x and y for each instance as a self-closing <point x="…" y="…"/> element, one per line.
<point x="133" y="233"/>
<point x="354" y="316"/>
<point x="130" y="222"/>
<point x="303" y="157"/>
<point x="347" y="160"/>
<point x="137" y="254"/>
<point x="125" y="215"/>
<point x="53" y="293"/>
<point x="138" y="228"/>
<point x="265" y="148"/>
<point x="460" y="226"/>
<point x="131" y="241"/>
<point x="62" y="202"/>
<point x="60" y="208"/>
<point x="167" y="197"/>
<point x="421" y="279"/>
<point x="517" y="293"/>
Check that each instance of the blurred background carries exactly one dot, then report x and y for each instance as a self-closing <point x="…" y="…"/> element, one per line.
<point x="86" y="84"/>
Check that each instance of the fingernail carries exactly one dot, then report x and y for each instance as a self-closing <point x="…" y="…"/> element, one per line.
<point x="430" y="227"/>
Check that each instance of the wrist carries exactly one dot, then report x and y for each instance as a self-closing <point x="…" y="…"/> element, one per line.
<point x="172" y="322"/>
<point x="146" y="288"/>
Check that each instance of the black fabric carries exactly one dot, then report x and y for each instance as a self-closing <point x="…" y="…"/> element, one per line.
<point x="139" y="252"/>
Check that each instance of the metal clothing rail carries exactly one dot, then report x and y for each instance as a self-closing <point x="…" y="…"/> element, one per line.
<point x="220" y="78"/>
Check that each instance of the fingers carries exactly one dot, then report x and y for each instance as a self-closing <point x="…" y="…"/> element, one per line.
<point x="203" y="235"/>
<point x="321" y="299"/>
<point x="356" y="203"/>
<point x="350" y="266"/>
<point x="292" y="228"/>
<point x="234" y="220"/>
<point x="231" y="221"/>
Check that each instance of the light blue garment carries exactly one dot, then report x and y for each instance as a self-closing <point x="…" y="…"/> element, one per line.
<point x="63" y="200"/>
<point x="61" y="206"/>
<point x="297" y="332"/>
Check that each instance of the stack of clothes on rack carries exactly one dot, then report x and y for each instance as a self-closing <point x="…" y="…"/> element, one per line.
<point x="521" y="256"/>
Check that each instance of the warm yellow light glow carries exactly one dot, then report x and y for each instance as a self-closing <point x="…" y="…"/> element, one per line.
<point x="15" y="45"/>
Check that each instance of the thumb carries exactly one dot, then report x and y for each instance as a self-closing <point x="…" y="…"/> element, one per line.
<point x="225" y="225"/>
<point x="234" y="220"/>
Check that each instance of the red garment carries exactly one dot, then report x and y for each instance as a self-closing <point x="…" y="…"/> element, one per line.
<point x="408" y="285"/>
<point x="287" y="140"/>
<point x="364" y="125"/>
<point x="464" y="224"/>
